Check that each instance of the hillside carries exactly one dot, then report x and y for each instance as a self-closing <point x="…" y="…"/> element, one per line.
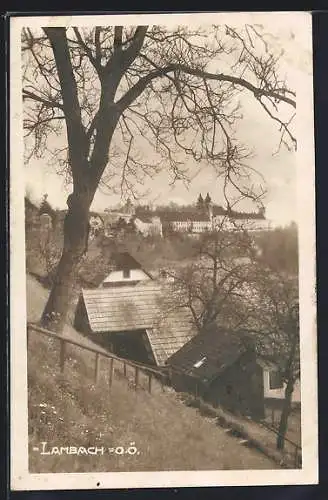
<point x="69" y="410"/>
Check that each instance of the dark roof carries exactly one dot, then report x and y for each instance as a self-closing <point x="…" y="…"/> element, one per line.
<point x="124" y="260"/>
<point x="171" y="216"/>
<point x="247" y="215"/>
<point x="120" y="261"/>
<point x="213" y="350"/>
<point x="122" y="309"/>
<point x="193" y="214"/>
<point x="218" y="210"/>
<point x="267" y="364"/>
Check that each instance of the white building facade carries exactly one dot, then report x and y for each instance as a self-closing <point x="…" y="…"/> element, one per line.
<point x="149" y="227"/>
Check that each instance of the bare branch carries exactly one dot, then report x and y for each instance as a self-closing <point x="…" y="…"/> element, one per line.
<point x="75" y="130"/>
<point x="118" y="33"/>
<point x="167" y="87"/>
<point x="95" y="61"/>
<point x="50" y="104"/>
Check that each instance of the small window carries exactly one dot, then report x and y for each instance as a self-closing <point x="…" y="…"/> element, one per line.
<point x="126" y="273"/>
<point x="200" y="362"/>
<point x="276" y="380"/>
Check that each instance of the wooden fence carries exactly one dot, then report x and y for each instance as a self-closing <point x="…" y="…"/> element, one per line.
<point x="161" y="375"/>
<point x="150" y="372"/>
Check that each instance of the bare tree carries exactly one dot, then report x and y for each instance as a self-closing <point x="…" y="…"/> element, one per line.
<point x="276" y="326"/>
<point x="228" y="286"/>
<point x="117" y="89"/>
<point x="212" y="287"/>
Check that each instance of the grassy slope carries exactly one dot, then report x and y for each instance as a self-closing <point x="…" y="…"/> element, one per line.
<point x="69" y="410"/>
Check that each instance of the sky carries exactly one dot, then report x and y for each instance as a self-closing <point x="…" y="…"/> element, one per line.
<point x="256" y="130"/>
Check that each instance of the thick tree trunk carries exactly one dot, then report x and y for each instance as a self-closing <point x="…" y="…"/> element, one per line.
<point x="285" y="414"/>
<point x="86" y="171"/>
<point x="76" y="228"/>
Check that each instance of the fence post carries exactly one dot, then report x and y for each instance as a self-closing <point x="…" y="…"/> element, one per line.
<point x="169" y="375"/>
<point x="136" y="378"/>
<point x="296" y="456"/>
<point x="196" y="391"/>
<point x="97" y="360"/>
<point x="124" y="369"/>
<point x="62" y="355"/>
<point x="149" y="382"/>
<point x="111" y="371"/>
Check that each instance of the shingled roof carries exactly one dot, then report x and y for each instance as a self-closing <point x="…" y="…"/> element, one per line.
<point x="208" y="354"/>
<point x="123" y="309"/>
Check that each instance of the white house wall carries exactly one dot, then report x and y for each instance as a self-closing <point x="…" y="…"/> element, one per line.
<point x="135" y="275"/>
<point x="221" y="222"/>
<point x="279" y="393"/>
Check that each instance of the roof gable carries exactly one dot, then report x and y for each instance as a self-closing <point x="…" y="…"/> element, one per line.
<point x="124" y="260"/>
<point x="194" y="216"/>
<point x="146" y="219"/>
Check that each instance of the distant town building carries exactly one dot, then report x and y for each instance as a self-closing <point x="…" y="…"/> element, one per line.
<point x="96" y="225"/>
<point x="47" y="214"/>
<point x="209" y="217"/>
<point x="129" y="207"/>
<point x="225" y="370"/>
<point x="126" y="212"/>
<point x="45" y="222"/>
<point x="148" y="225"/>
<point x="200" y="202"/>
<point x="204" y="216"/>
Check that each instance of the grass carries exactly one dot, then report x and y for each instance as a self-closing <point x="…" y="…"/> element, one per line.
<point x="258" y="436"/>
<point x="70" y="410"/>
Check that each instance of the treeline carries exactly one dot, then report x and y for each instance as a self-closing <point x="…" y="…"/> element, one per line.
<point x="279" y="248"/>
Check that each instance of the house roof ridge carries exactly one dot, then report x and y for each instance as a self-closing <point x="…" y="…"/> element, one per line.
<point x="138" y="308"/>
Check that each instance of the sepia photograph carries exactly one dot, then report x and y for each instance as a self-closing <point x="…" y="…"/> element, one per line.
<point x="162" y="251"/>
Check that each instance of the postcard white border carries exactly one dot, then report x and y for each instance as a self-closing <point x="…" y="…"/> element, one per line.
<point x="21" y="479"/>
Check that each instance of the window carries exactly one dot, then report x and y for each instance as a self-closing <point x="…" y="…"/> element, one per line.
<point x="276" y="380"/>
<point x="199" y="363"/>
<point x="126" y="273"/>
